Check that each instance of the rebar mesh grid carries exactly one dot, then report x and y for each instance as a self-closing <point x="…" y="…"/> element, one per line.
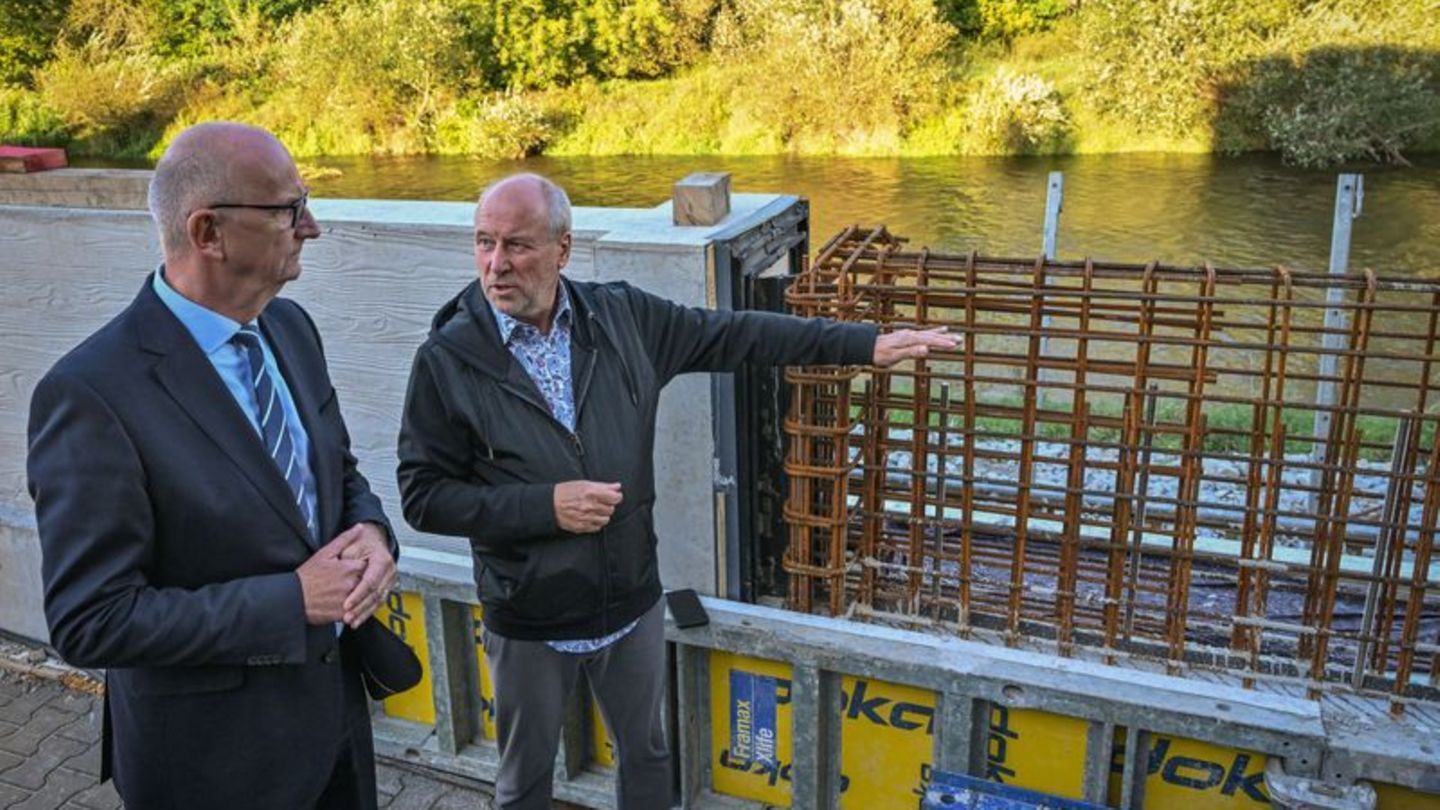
<point x="1227" y="468"/>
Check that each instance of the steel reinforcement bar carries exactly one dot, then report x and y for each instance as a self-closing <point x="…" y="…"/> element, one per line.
<point x="1137" y="462"/>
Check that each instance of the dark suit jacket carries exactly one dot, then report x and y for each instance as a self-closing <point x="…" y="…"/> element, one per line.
<point x="170" y="545"/>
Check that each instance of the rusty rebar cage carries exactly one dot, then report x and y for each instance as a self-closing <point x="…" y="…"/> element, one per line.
<point x="1141" y="462"/>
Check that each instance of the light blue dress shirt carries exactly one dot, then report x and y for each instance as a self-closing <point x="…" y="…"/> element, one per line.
<point x="546" y="358"/>
<point x="212" y="332"/>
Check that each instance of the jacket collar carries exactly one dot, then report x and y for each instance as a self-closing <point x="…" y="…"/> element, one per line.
<point x="467" y="326"/>
<point x="507" y="325"/>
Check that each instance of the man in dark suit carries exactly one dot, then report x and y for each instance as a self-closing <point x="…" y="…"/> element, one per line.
<point x="207" y="537"/>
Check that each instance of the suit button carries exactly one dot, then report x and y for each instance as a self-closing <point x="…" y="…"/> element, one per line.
<point x="329" y="657"/>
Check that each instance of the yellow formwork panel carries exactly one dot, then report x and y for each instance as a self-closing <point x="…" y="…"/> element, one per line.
<point x="887" y="735"/>
<point x="404" y="613"/>
<point x="487" y="686"/>
<point x="1036" y="750"/>
<point x="602" y="743"/>
<point x="1193" y="774"/>
<point x="887" y="743"/>
<point x="750" y="755"/>
<point x="1394" y="797"/>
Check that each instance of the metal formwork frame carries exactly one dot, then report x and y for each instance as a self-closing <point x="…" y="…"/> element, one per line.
<point x="966" y="677"/>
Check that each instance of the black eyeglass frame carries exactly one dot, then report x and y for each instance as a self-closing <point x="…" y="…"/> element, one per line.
<point x="296" y="209"/>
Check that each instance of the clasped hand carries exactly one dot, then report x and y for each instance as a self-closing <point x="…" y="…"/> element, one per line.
<point x="347" y="579"/>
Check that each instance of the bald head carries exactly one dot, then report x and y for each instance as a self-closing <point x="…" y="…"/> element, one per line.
<point x="206" y="164"/>
<point x="535" y="189"/>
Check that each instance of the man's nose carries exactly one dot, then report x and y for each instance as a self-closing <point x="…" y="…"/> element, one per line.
<point x="308" y="227"/>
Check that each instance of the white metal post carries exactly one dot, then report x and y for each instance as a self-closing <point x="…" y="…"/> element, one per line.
<point x="1349" y="195"/>
<point x="1054" y="194"/>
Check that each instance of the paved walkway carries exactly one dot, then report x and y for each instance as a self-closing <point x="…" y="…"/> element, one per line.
<point x="50" y="755"/>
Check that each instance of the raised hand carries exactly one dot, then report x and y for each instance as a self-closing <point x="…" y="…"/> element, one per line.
<point x="908" y="344"/>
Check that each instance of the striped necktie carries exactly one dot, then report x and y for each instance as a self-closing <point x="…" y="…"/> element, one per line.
<point x="272" y="422"/>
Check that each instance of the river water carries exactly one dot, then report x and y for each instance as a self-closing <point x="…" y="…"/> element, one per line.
<point x="1180" y="209"/>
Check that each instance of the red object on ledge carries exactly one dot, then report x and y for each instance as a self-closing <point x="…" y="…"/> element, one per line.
<point x="25" y="159"/>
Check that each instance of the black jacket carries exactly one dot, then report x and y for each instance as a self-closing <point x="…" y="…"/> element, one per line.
<point x="480" y="453"/>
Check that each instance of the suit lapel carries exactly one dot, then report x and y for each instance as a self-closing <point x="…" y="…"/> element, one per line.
<point x="187" y="376"/>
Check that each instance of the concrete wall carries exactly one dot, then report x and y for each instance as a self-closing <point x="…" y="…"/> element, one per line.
<point x="371" y="282"/>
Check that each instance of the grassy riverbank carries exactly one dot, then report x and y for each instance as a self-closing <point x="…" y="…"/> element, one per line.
<point x="1319" y="81"/>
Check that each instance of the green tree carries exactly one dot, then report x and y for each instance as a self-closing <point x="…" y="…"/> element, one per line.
<point x="1157" y="62"/>
<point x="549" y="43"/>
<point x="27" y="36"/>
<point x="356" y="76"/>
<point x="835" y="75"/>
<point x="188" y="28"/>
<point x="1002" y="19"/>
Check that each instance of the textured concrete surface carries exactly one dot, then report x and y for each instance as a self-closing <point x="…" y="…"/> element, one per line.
<point x="372" y="282"/>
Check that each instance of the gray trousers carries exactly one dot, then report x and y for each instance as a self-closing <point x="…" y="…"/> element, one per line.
<point x="533" y="684"/>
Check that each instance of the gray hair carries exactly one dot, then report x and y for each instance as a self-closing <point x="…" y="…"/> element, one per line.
<point x="185" y="179"/>
<point x="557" y="202"/>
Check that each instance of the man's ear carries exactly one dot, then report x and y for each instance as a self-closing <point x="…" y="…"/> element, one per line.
<point x="203" y="229"/>
<point x="564" y="249"/>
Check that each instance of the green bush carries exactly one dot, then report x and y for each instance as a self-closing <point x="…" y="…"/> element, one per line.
<point x="684" y="115"/>
<point x="1341" y="80"/>
<point x="357" y="77"/>
<point x="1002" y="19"/>
<point x="26" y="119"/>
<point x="1336" y="104"/>
<point x="1156" y="63"/>
<point x="98" y="91"/>
<point x="837" y="76"/>
<point x="1015" y="113"/>
<point x="548" y="43"/>
<point x="191" y="28"/>
<point x="506" y="126"/>
<point x="1320" y="81"/>
<point x="113" y="105"/>
<point x="105" y="81"/>
<point x="27" y="36"/>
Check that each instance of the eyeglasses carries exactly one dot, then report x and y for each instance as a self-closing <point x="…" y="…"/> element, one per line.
<point x="296" y="209"/>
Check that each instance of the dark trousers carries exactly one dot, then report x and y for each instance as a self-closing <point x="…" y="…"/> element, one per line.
<point x="352" y="781"/>
<point x="533" y="684"/>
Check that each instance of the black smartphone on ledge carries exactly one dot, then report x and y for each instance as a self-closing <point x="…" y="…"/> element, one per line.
<point x="686" y="609"/>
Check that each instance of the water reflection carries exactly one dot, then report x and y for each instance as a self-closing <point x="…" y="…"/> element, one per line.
<point x="1177" y="208"/>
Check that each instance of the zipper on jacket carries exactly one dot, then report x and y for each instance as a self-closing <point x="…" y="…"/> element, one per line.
<point x="604" y="554"/>
<point x="602" y="540"/>
<point x="584" y="390"/>
<point x="604" y="579"/>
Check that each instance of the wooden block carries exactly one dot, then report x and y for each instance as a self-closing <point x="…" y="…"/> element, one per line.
<point x="78" y="188"/>
<point x="24" y="159"/>
<point x="702" y="198"/>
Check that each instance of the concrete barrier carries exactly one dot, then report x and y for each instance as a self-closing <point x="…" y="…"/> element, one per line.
<point x="372" y="282"/>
